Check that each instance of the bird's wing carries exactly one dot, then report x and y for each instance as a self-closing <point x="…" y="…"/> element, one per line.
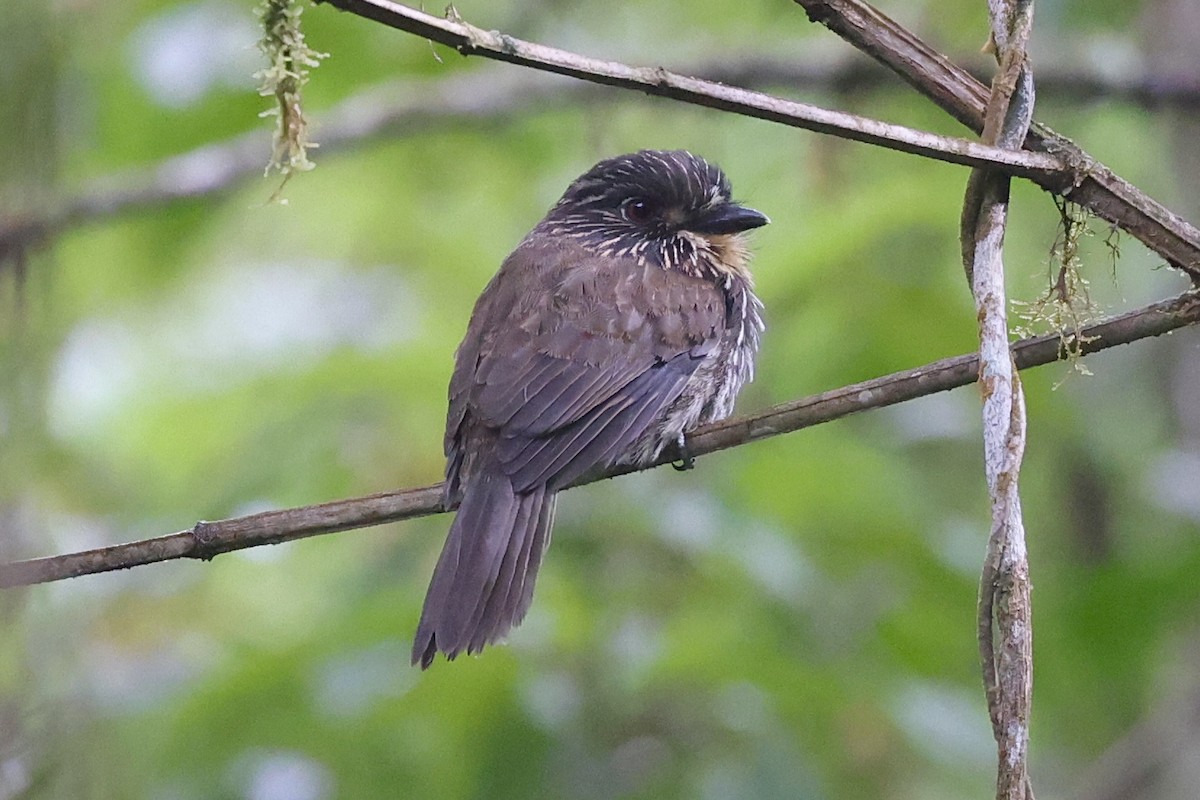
<point x="568" y="373"/>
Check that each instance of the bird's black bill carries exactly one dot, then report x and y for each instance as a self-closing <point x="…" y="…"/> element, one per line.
<point x="728" y="218"/>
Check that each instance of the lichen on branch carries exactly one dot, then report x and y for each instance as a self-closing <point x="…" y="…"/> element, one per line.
<point x="289" y="60"/>
<point x="1066" y="307"/>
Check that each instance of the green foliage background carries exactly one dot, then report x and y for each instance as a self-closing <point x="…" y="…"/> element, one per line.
<point x="794" y="618"/>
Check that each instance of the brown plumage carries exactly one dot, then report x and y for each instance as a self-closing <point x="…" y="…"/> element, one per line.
<point x="623" y="320"/>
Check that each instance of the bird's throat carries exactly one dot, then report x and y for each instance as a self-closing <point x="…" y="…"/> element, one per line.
<point x="721" y="255"/>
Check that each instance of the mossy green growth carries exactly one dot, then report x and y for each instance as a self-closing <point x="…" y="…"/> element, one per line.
<point x="1067" y="307"/>
<point x="290" y="59"/>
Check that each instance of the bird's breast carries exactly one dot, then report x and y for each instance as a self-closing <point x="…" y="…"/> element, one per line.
<point x="710" y="392"/>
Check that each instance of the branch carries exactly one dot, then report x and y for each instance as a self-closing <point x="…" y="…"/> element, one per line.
<point x="951" y="87"/>
<point x="1005" y="626"/>
<point x="469" y="40"/>
<point x="403" y="108"/>
<point x="398" y="110"/>
<point x="208" y="539"/>
<point x="216" y="168"/>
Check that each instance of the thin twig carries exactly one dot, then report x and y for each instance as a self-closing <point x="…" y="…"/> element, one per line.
<point x="1004" y="616"/>
<point x="209" y="539"/>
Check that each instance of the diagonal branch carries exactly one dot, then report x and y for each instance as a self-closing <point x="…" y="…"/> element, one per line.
<point x="402" y="108"/>
<point x="208" y="539"/>
<point x="959" y="94"/>
<point x="469" y="40"/>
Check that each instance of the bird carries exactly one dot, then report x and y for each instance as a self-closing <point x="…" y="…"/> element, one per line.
<point x="623" y="320"/>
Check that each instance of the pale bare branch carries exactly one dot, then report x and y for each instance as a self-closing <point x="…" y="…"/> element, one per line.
<point x="470" y="40"/>
<point x="1004" y="613"/>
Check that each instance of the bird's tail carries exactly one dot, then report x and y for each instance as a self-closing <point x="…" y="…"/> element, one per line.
<point x="483" y="582"/>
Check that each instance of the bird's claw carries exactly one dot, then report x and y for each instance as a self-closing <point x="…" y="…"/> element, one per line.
<point x="685" y="461"/>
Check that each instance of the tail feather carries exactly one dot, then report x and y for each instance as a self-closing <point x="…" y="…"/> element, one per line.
<point x="521" y="594"/>
<point x="488" y="612"/>
<point x="485" y="522"/>
<point x="495" y="544"/>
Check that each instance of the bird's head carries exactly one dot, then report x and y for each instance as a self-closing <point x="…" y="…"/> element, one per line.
<point x="668" y="207"/>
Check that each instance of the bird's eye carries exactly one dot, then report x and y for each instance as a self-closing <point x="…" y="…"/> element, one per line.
<point x="637" y="209"/>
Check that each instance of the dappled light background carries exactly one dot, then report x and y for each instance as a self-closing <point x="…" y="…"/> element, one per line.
<point x="793" y="618"/>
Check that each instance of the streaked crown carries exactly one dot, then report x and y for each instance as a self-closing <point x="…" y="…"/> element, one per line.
<point x="660" y="205"/>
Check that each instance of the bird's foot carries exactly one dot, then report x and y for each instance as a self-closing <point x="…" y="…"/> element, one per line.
<point x="685" y="461"/>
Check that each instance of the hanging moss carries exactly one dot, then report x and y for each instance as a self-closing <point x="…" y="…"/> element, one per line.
<point x="289" y="61"/>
